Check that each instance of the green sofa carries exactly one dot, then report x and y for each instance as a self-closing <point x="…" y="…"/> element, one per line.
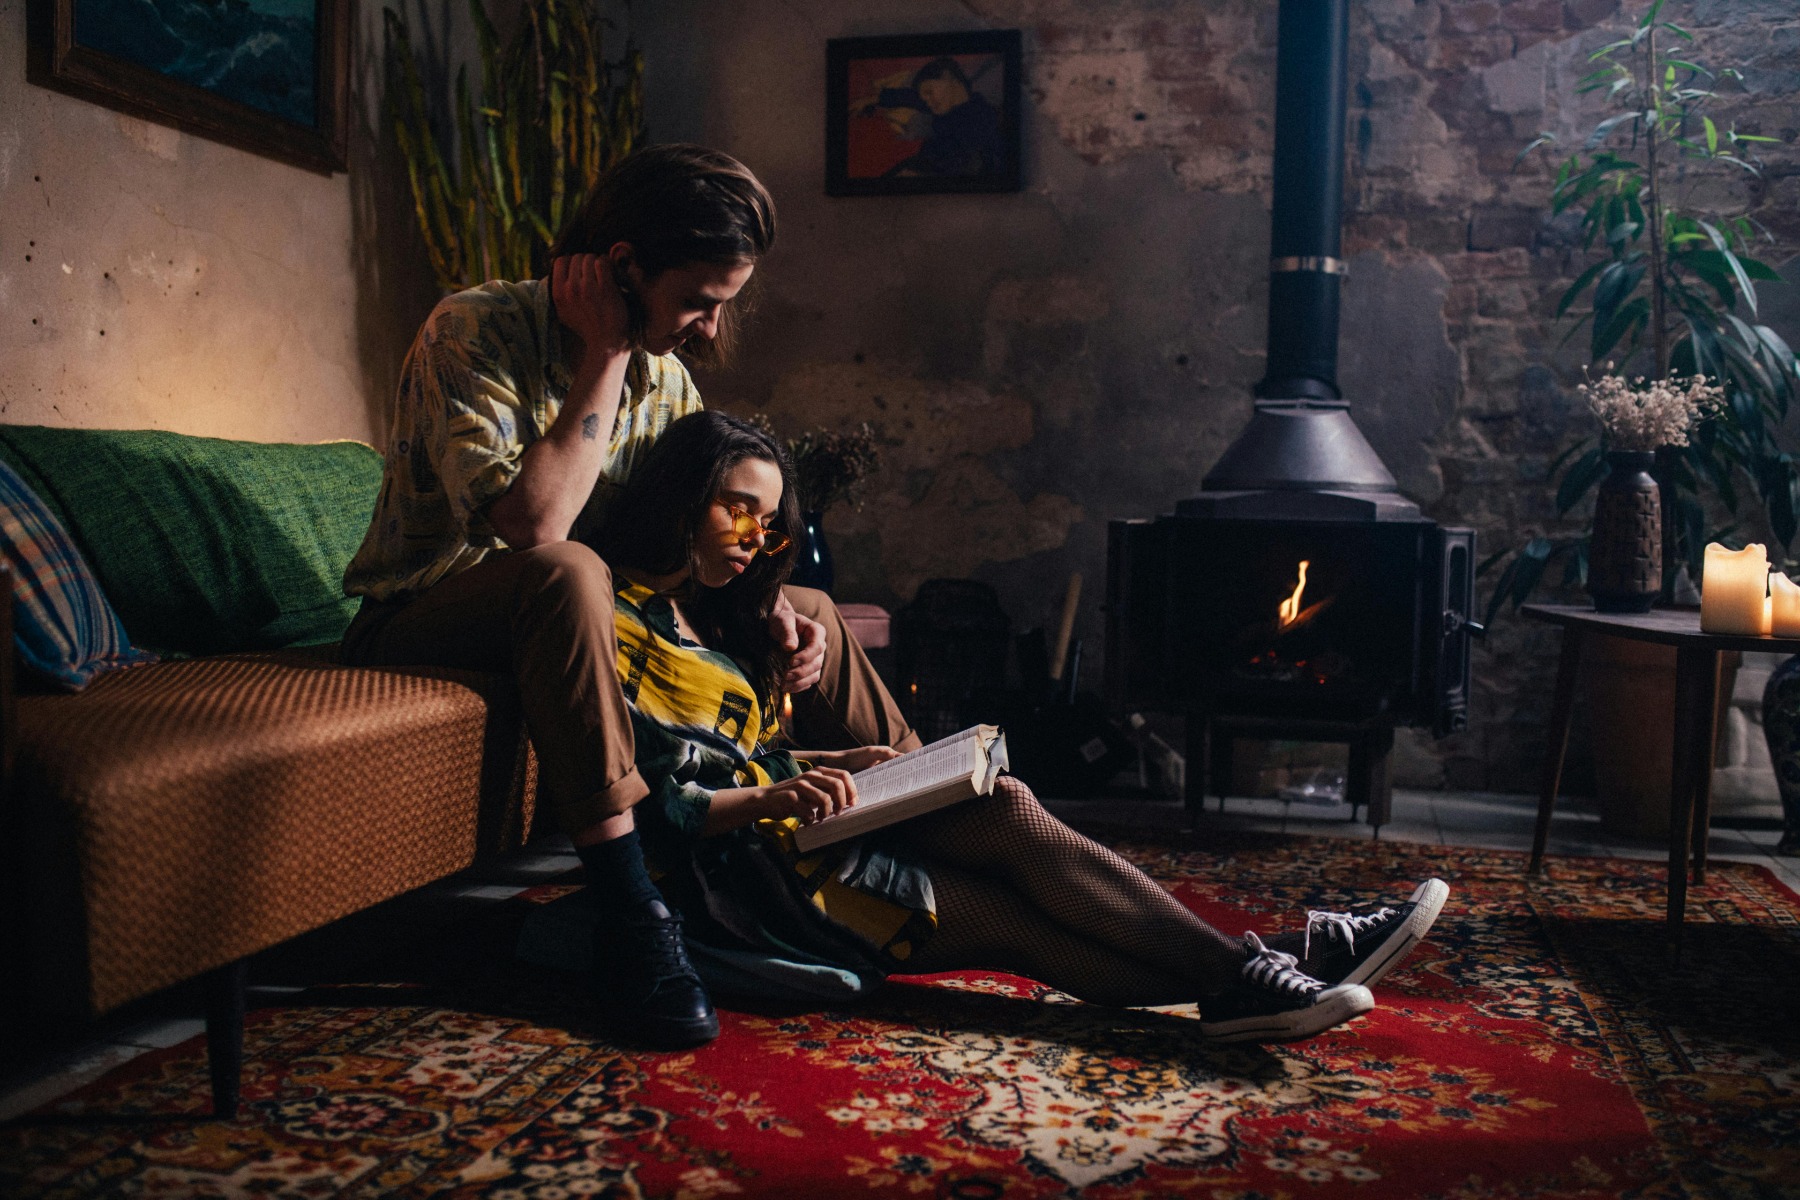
<point x="172" y="819"/>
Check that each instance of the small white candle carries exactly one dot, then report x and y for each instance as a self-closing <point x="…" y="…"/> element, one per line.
<point x="1734" y="590"/>
<point x="1784" y="600"/>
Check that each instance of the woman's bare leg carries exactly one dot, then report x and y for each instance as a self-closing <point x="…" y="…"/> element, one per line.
<point x="983" y="924"/>
<point x="1078" y="884"/>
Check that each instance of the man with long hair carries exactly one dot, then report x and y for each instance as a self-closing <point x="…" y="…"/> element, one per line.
<point x="522" y="408"/>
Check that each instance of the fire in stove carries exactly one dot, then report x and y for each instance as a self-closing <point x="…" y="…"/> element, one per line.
<point x="1291" y="615"/>
<point x="1278" y="660"/>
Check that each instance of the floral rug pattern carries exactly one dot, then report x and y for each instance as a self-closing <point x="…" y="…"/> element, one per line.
<point x="1543" y="1043"/>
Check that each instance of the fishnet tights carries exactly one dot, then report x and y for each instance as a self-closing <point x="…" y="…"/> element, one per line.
<point x="1017" y="890"/>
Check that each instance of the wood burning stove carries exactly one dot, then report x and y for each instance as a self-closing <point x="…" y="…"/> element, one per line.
<point x="1299" y="595"/>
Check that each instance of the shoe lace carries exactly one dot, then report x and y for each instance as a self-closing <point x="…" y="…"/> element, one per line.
<point x="665" y="953"/>
<point x="1277" y="971"/>
<point x="1341" y="927"/>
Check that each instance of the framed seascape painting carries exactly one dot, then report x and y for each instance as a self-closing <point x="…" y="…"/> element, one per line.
<point x="918" y="113"/>
<point x="268" y="76"/>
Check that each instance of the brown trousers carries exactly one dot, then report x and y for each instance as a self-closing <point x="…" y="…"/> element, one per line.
<point x="545" y="617"/>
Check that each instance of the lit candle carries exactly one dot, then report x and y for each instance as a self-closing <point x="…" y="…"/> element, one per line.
<point x="1784" y="600"/>
<point x="1734" y="590"/>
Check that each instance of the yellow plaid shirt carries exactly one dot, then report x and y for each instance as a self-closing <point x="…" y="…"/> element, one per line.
<point x="483" y="381"/>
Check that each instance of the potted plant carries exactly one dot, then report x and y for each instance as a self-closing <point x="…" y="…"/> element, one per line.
<point x="1670" y="294"/>
<point x="1637" y="418"/>
<point x="1671" y="290"/>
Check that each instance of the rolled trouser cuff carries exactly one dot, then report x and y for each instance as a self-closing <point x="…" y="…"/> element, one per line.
<point x="619" y="796"/>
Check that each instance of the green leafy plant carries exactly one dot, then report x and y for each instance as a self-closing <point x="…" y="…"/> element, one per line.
<point x="553" y="115"/>
<point x="1673" y="289"/>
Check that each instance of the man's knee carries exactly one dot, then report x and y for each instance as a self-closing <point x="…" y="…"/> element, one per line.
<point x="564" y="578"/>
<point x="812" y="604"/>
<point x="567" y="565"/>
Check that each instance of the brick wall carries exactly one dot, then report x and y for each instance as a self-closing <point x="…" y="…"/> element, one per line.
<point x="1039" y="363"/>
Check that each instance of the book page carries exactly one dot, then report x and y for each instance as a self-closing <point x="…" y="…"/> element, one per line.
<point x="926" y="767"/>
<point x="928" y="778"/>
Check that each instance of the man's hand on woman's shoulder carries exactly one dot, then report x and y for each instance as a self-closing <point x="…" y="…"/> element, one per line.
<point x="804" y="640"/>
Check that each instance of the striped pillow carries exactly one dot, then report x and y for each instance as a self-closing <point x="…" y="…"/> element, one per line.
<point x="63" y="628"/>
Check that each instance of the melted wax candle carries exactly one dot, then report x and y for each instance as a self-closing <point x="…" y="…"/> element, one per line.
<point x="1734" y="590"/>
<point x="1784" y="603"/>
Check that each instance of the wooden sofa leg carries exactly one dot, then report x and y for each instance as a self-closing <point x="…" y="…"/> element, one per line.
<point x="225" y="990"/>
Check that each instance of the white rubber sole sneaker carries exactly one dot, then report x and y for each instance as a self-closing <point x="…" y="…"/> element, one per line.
<point x="1333" y="1007"/>
<point x="1428" y="901"/>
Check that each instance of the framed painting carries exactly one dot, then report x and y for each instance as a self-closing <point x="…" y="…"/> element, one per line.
<point x="268" y="76"/>
<point x="919" y="113"/>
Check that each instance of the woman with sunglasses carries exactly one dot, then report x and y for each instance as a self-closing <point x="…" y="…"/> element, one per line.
<point x="698" y="543"/>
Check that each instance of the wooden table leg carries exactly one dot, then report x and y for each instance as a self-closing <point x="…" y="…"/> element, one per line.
<point x="1562" y="709"/>
<point x="1696" y="695"/>
<point x="1702" y="831"/>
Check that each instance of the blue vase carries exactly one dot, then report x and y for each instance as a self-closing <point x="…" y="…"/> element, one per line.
<point x="812" y="564"/>
<point x="1781" y="727"/>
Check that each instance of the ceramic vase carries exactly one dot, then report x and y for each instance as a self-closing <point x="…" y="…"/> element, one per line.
<point x="1781" y="727"/>
<point x="1625" y="551"/>
<point x="812" y="564"/>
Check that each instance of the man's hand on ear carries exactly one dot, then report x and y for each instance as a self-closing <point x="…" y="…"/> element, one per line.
<point x="804" y="640"/>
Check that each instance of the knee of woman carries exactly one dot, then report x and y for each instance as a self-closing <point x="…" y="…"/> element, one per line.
<point x="1013" y="799"/>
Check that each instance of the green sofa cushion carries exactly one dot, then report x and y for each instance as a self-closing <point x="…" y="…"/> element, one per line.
<point x="204" y="545"/>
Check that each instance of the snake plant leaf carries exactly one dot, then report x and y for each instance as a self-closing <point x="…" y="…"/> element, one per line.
<point x="550" y="117"/>
<point x="1582" y="475"/>
<point x="1569" y="452"/>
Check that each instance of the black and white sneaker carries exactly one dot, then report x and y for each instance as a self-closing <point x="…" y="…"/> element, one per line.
<point x="1274" y="1001"/>
<point x="1362" y="947"/>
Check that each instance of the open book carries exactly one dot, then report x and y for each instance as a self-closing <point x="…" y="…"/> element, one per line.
<point x="957" y="768"/>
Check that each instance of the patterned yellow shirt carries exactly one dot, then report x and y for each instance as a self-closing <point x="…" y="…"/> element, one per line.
<point x="483" y="381"/>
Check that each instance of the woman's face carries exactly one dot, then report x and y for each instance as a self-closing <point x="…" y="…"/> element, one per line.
<point x="684" y="302"/>
<point x="720" y="553"/>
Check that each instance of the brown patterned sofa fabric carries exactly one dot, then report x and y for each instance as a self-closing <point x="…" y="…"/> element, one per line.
<point x="175" y="817"/>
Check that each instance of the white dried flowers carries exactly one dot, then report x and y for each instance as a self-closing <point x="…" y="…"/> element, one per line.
<point x="1642" y="414"/>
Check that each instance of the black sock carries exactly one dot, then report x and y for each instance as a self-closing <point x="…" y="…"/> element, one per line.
<point x="617" y="875"/>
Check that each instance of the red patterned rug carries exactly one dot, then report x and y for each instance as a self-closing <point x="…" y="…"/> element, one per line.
<point x="1540" y="1045"/>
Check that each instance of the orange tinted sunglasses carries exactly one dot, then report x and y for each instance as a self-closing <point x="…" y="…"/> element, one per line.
<point x="746" y="527"/>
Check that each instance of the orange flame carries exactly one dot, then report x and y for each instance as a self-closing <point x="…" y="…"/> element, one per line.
<point x="1290" y="608"/>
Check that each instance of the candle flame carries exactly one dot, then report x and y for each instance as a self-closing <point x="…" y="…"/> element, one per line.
<point x="1290" y="608"/>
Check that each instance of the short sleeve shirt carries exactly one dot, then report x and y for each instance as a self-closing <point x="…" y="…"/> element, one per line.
<point x="483" y="381"/>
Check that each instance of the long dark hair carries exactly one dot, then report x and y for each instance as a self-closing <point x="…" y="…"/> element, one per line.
<point x="678" y="204"/>
<point x="651" y="526"/>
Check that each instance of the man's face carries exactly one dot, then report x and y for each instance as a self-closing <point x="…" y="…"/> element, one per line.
<point x="684" y="302"/>
<point x="941" y="95"/>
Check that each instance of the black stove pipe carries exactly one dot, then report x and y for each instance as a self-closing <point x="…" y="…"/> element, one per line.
<point x="1305" y="238"/>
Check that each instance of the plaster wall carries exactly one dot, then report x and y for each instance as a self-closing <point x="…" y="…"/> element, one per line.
<point x="153" y="279"/>
<point x="1038" y="363"/>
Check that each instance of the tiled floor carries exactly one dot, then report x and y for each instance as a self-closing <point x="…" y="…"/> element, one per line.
<point x="1449" y="819"/>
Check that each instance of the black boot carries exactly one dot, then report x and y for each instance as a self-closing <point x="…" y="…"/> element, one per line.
<point x="646" y="986"/>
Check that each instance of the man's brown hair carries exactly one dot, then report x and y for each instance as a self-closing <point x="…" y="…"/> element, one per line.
<point x="679" y="204"/>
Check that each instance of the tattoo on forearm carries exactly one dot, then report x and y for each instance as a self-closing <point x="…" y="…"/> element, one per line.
<point x="590" y="426"/>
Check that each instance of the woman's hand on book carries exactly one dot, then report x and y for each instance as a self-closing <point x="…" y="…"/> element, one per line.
<point x="811" y="796"/>
<point x="859" y="759"/>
